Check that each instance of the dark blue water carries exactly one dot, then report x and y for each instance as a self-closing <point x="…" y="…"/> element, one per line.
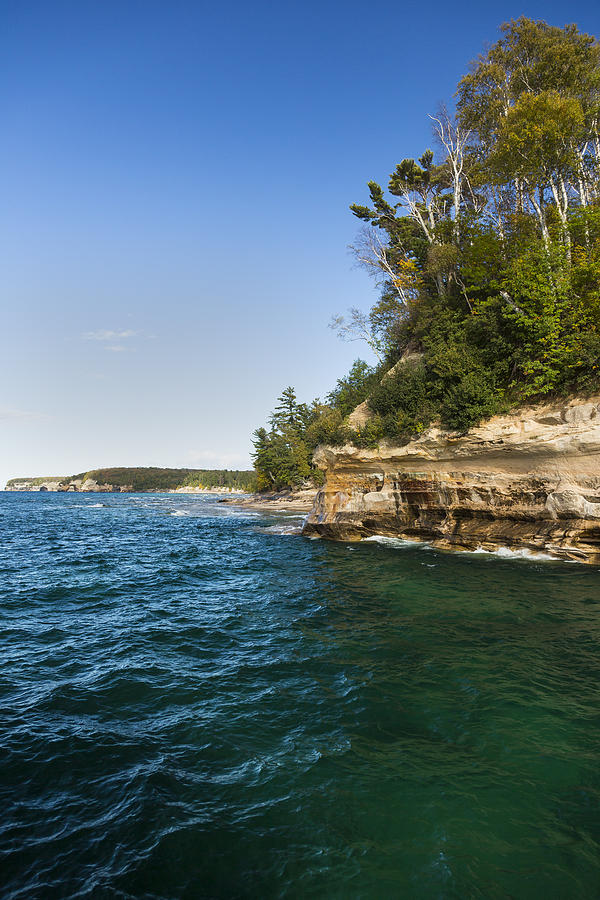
<point x="195" y="704"/>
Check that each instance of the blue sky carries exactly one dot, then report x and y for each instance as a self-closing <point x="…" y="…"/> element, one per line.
<point x="174" y="219"/>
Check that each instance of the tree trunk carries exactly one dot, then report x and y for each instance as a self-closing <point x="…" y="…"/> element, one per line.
<point x="538" y="207"/>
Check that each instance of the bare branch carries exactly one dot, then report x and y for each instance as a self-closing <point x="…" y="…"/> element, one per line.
<point x="454" y="141"/>
<point x="356" y="328"/>
<point x="373" y="254"/>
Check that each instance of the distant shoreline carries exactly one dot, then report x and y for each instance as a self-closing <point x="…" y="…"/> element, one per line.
<point x="285" y="501"/>
<point x="143" y="479"/>
<point x="101" y="490"/>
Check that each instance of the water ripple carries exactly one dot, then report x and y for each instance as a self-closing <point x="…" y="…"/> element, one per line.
<point x="198" y="702"/>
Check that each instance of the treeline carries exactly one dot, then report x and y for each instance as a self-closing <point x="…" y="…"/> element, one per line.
<point x="151" y="478"/>
<point x="283" y="451"/>
<point x="487" y="253"/>
<point x="222" y="478"/>
<point x="40" y="479"/>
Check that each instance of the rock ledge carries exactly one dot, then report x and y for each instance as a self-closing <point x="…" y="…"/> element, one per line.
<point x="530" y="481"/>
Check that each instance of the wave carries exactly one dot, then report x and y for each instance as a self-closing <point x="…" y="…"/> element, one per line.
<point x="522" y="553"/>
<point x="175" y="691"/>
<point x="280" y="529"/>
<point x="498" y="552"/>
<point x="400" y="543"/>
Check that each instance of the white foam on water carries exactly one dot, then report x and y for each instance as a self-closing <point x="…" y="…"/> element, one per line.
<point x="399" y="543"/>
<point x="236" y="513"/>
<point x="89" y="505"/>
<point x="498" y="552"/>
<point x="280" y="529"/>
<point x="523" y="553"/>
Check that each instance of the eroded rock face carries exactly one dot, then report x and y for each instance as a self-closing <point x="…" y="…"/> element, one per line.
<point x="34" y="484"/>
<point x="62" y="486"/>
<point x="526" y="481"/>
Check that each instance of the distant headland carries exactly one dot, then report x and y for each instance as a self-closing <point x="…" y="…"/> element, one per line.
<point x="146" y="479"/>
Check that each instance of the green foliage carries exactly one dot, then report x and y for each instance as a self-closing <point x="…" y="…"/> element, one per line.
<point x="372" y="432"/>
<point x="35" y="481"/>
<point x="470" y="400"/>
<point x="488" y="259"/>
<point x="530" y="57"/>
<point x="221" y="478"/>
<point x="327" y="427"/>
<point x="504" y="236"/>
<point x="538" y="137"/>
<point x="282" y="455"/>
<point x="402" y="401"/>
<point x="354" y="388"/>
<point x="450" y="384"/>
<point x="151" y="478"/>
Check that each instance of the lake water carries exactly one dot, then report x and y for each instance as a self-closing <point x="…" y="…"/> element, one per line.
<point x="198" y="702"/>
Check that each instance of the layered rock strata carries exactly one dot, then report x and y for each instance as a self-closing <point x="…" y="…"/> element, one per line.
<point x="530" y="481"/>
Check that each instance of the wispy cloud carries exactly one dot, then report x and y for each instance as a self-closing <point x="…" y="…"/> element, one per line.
<point x="111" y="340"/>
<point x="20" y="415"/>
<point x="106" y="335"/>
<point x="212" y="459"/>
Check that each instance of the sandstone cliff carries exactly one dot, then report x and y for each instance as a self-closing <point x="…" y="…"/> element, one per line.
<point x="62" y="485"/>
<point x="34" y="484"/>
<point x="530" y="480"/>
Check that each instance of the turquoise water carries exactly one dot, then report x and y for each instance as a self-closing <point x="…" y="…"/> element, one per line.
<point x="197" y="702"/>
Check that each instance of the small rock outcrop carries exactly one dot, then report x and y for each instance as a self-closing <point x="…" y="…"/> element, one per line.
<point x="530" y="480"/>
